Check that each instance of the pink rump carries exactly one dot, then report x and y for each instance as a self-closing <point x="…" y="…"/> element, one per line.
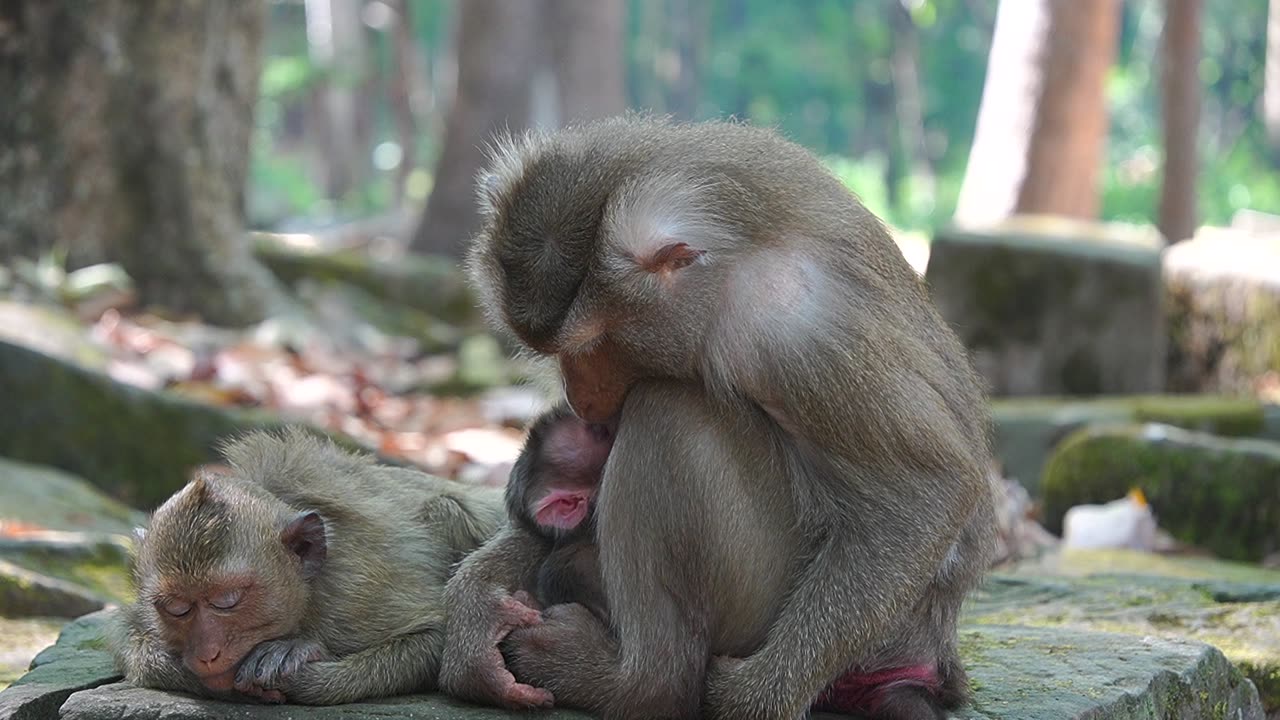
<point x="859" y="693"/>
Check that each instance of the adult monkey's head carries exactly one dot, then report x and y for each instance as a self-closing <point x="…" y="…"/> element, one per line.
<point x="611" y="246"/>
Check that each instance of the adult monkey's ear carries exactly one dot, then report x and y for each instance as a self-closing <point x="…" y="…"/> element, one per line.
<point x="304" y="536"/>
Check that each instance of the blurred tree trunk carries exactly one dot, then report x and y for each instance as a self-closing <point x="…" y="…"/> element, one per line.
<point x="909" y="146"/>
<point x="687" y="22"/>
<point x="1068" y="137"/>
<point x="545" y="109"/>
<point x="735" y="23"/>
<point x="127" y="125"/>
<point x="496" y="56"/>
<point x="587" y="45"/>
<point x="998" y="156"/>
<point x="1271" y="83"/>
<point x="905" y="71"/>
<point x="650" y="49"/>
<point x="404" y="80"/>
<point x="1180" y="114"/>
<point x="338" y="50"/>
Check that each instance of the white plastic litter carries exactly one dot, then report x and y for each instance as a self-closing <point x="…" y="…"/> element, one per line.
<point x="1126" y="523"/>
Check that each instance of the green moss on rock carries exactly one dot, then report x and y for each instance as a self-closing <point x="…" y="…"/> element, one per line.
<point x="20" y="640"/>
<point x="136" y="445"/>
<point x="1219" y="494"/>
<point x="1217" y="415"/>
<point x="1266" y="677"/>
<point x="47" y="498"/>
<point x="433" y="335"/>
<point x="101" y="568"/>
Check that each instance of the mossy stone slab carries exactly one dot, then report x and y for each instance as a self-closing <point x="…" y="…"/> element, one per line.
<point x="136" y="445"/>
<point x="1234" y="607"/>
<point x="1054" y="308"/>
<point x="1017" y="672"/>
<point x="1028" y="429"/>
<point x="1223" y="307"/>
<point x="1216" y="493"/>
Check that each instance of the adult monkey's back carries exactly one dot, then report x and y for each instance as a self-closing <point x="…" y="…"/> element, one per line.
<point x="727" y="259"/>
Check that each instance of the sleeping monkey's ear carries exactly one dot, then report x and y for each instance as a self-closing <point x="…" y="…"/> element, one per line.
<point x="304" y="536"/>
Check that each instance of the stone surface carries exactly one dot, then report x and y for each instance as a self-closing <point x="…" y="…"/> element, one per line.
<point x="1037" y="645"/>
<point x="1215" y="493"/>
<point x="78" y="661"/>
<point x="1022" y="672"/>
<point x="119" y="701"/>
<point x="1232" y="606"/>
<point x="44" y="498"/>
<point x="1223" y="304"/>
<point x="64" y="545"/>
<point x="20" y="640"/>
<point x="1028" y="429"/>
<point x="1052" y="307"/>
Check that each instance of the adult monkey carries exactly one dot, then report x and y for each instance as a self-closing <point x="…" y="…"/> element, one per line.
<point x="729" y="263"/>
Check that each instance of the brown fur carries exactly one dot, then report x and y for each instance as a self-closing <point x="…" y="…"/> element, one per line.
<point x="360" y="618"/>
<point x="809" y="497"/>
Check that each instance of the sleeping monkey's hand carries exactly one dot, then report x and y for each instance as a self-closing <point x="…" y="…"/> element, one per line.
<point x="263" y="673"/>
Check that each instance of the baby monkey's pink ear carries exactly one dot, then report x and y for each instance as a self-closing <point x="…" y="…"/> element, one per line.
<point x="673" y="256"/>
<point x="562" y="509"/>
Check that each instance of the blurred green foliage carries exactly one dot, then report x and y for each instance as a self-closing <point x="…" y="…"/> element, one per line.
<point x="820" y="70"/>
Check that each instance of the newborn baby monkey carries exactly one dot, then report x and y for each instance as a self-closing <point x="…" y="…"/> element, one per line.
<point x="552" y="491"/>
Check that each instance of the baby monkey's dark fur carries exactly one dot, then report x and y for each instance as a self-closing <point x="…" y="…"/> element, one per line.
<point x="562" y="453"/>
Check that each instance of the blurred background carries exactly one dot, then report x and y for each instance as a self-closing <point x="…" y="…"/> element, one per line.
<point x="217" y="216"/>
<point x="908" y="100"/>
